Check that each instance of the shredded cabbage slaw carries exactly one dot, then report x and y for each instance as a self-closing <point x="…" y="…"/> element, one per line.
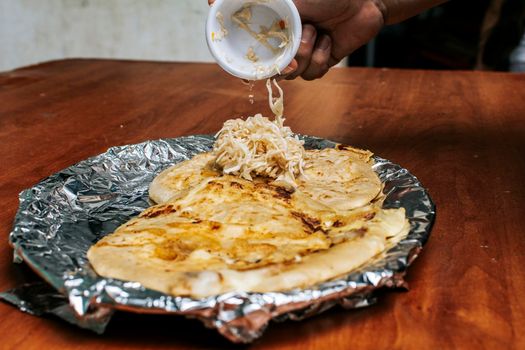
<point x="258" y="146"/>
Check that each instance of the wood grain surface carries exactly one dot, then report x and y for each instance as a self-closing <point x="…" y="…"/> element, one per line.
<point x="461" y="133"/>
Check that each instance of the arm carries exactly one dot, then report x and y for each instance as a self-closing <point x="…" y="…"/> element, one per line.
<point x="395" y="11"/>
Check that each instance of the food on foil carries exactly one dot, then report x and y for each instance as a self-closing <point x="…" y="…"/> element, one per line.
<point x="258" y="213"/>
<point x="342" y="179"/>
<point x="213" y="233"/>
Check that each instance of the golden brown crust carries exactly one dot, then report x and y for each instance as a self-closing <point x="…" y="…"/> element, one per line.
<point x="225" y="233"/>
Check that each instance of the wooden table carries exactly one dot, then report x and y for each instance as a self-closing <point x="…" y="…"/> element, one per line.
<point x="461" y="133"/>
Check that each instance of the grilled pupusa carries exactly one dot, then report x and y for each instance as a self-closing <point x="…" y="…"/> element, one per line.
<point x="214" y="233"/>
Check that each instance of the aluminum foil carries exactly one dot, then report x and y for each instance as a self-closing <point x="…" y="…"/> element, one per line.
<point x="62" y="216"/>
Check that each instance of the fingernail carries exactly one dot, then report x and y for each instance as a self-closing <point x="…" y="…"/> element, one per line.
<point x="308" y="34"/>
<point x="290" y="68"/>
<point x="287" y="70"/>
<point x="324" y="43"/>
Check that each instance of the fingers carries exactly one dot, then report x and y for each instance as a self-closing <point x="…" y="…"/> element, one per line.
<point x="313" y="57"/>
<point x="288" y="70"/>
<point x="304" y="54"/>
<point x="210" y="2"/>
<point x="321" y="59"/>
<point x="292" y="67"/>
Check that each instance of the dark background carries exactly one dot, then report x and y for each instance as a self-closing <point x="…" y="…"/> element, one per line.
<point x="448" y="37"/>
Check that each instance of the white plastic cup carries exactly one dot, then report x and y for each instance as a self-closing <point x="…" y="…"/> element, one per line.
<point x="231" y="50"/>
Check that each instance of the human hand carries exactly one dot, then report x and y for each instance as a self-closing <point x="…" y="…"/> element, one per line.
<point x="332" y="29"/>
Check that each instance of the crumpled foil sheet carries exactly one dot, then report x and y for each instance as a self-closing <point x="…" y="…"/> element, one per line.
<point x="62" y="216"/>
